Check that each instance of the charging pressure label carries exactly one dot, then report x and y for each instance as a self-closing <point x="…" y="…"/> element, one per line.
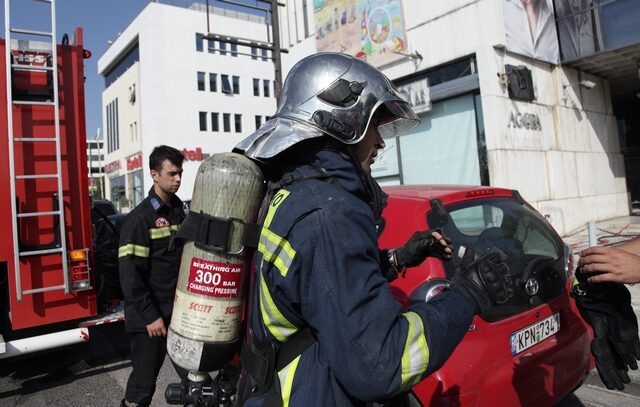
<point x="213" y="279"/>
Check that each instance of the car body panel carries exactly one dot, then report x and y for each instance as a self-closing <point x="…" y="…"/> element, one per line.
<point x="482" y="371"/>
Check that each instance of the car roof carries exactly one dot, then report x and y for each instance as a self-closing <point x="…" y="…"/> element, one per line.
<point x="445" y="192"/>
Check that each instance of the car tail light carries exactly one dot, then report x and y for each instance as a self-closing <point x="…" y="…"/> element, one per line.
<point x="79" y="270"/>
<point x="480" y="192"/>
<point x="569" y="263"/>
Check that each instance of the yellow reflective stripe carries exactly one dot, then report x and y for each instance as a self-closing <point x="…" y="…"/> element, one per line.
<point x="286" y="376"/>
<point x="574" y="281"/>
<point x="276" y="323"/>
<point x="277" y="199"/>
<point x="415" y="357"/>
<point x="164" y="231"/>
<point x="276" y="250"/>
<point x="133" y="250"/>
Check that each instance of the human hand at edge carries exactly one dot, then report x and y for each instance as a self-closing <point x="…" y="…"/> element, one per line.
<point x="157" y="328"/>
<point x="610" y="264"/>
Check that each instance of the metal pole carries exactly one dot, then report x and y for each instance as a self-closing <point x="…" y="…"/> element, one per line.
<point x="91" y="178"/>
<point x="277" y="57"/>
<point x="208" y="29"/>
<point x="100" y="164"/>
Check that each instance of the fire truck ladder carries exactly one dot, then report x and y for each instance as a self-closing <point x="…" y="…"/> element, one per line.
<point x="60" y="246"/>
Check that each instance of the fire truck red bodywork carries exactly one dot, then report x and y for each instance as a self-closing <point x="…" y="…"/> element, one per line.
<point x="37" y="195"/>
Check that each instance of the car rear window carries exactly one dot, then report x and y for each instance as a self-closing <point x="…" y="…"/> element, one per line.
<point x="535" y="253"/>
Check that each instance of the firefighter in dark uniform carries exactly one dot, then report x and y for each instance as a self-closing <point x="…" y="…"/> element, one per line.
<point x="323" y="328"/>
<point x="149" y="264"/>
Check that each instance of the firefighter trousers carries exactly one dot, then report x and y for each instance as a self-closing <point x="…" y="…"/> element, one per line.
<point x="147" y="357"/>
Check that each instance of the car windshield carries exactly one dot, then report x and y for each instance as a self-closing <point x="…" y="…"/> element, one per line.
<point x="534" y="251"/>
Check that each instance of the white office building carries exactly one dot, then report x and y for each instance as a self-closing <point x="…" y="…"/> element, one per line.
<point x="503" y="102"/>
<point x="166" y="84"/>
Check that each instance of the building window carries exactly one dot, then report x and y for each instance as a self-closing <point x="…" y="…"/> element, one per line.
<point x="236" y="85"/>
<point x="198" y="42"/>
<point x="211" y="46"/>
<point x="215" y="126"/>
<point x="226" y="122"/>
<point x="223" y="48"/>
<point x="113" y="136"/>
<point x="256" y="87"/>
<point x="254" y="53"/>
<point x="226" y="85"/>
<point x="265" y="54"/>
<point x="201" y="81"/>
<point x="132" y="94"/>
<point x="213" y="82"/>
<point x="258" y="122"/>
<point x="234" y="50"/>
<point x="203" y="121"/>
<point x="265" y="87"/>
<point x="237" y="118"/>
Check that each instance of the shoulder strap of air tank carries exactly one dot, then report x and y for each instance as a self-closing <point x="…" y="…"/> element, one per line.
<point x="296" y="176"/>
<point x="212" y="232"/>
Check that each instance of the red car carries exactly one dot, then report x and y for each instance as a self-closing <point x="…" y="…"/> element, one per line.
<point x="533" y="350"/>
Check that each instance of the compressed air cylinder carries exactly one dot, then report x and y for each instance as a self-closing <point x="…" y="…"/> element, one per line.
<point x="205" y="325"/>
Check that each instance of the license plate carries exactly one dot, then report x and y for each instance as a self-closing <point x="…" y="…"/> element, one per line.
<point x="534" y="333"/>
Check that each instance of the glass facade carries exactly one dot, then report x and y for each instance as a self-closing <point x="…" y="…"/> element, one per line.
<point x="587" y="27"/>
<point x="423" y="156"/>
<point x="125" y="63"/>
<point x="118" y="192"/>
<point x="136" y="193"/>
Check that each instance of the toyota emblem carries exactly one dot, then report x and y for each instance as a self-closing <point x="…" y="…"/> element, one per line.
<point x="531" y="286"/>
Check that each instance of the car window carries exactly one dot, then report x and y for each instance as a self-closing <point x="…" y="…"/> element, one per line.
<point x="534" y="251"/>
<point x="504" y="224"/>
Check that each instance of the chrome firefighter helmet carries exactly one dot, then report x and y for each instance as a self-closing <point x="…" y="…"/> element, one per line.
<point x="334" y="94"/>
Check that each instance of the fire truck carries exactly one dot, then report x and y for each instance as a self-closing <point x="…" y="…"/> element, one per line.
<point x="47" y="286"/>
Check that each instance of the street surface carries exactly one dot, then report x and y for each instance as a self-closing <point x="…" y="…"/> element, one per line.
<point x="95" y="373"/>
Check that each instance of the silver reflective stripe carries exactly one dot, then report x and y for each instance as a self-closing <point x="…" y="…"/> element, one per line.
<point x="134" y="250"/>
<point x="276" y="250"/>
<point x="415" y="357"/>
<point x="276" y="323"/>
<point x="286" y="376"/>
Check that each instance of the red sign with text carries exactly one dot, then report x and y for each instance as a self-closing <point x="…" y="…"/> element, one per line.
<point x="213" y="279"/>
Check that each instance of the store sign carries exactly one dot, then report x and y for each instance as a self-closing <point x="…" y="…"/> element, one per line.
<point x="529" y="121"/>
<point x="112" y="167"/>
<point x="193" y="154"/>
<point x="418" y="95"/>
<point x="134" y="162"/>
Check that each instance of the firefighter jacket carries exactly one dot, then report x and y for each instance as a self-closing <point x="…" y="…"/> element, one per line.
<point x="150" y="261"/>
<point x="318" y="266"/>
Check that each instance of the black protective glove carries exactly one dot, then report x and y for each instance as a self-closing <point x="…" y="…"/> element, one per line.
<point x="607" y="308"/>
<point x="599" y="314"/>
<point x="484" y="281"/>
<point x="420" y="245"/>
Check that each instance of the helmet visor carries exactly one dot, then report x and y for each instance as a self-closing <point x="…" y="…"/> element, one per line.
<point x="404" y="119"/>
